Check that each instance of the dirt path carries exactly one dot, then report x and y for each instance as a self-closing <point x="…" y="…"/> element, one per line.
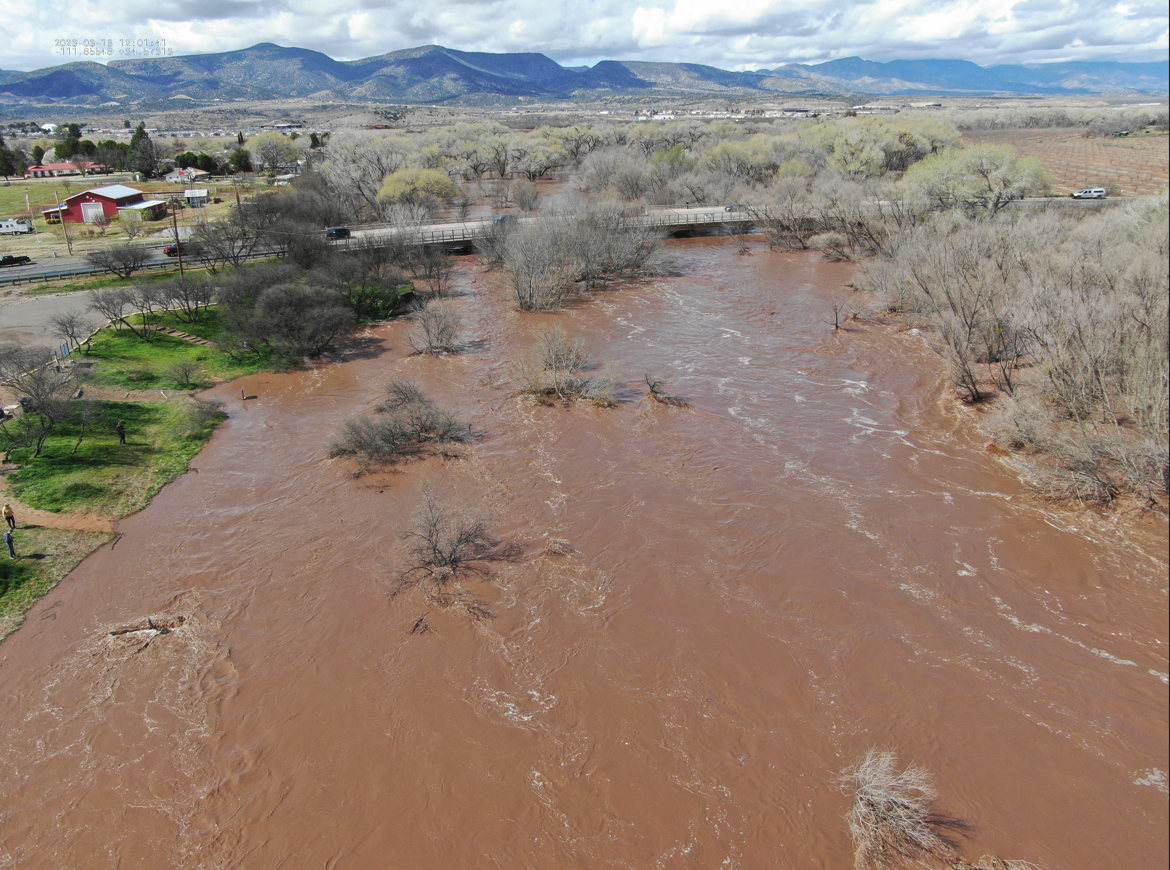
<point x="27" y="516"/>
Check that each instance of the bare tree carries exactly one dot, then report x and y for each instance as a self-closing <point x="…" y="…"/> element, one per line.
<point x="786" y="214"/>
<point x="840" y="302"/>
<point x="184" y="373"/>
<point x="463" y="205"/>
<point x="74" y="327"/>
<point x="432" y="264"/>
<point x="132" y="222"/>
<point x="147" y="300"/>
<point x="83" y="415"/>
<point x="123" y="260"/>
<point x="527" y="196"/>
<point x="33" y="373"/>
<point x="436" y="327"/>
<point x="537" y="266"/>
<point x="187" y="297"/>
<point x="444" y="548"/>
<point x="891" y="818"/>
<point x="114" y="304"/>
<point x="230" y="243"/>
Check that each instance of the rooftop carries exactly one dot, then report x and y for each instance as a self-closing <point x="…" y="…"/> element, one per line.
<point x="111" y="191"/>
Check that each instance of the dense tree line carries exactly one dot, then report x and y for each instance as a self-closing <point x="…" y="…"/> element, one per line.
<point x="1064" y="317"/>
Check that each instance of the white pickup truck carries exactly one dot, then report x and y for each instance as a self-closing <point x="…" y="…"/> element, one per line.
<point x="15" y="226"/>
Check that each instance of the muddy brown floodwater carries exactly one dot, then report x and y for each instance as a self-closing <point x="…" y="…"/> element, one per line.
<point x="817" y="557"/>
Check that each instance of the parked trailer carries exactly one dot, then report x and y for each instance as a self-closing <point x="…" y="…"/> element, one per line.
<point x="15" y="227"/>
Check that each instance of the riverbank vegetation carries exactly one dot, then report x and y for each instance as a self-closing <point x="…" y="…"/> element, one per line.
<point x="1062" y="320"/>
<point x="77" y="449"/>
<point x="83" y="467"/>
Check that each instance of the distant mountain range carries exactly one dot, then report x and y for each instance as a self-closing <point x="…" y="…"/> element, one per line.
<point x="433" y="74"/>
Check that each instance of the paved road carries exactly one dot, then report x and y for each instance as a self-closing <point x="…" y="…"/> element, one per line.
<point x="63" y="267"/>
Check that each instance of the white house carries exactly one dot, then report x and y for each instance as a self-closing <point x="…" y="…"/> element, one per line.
<point x="183" y="176"/>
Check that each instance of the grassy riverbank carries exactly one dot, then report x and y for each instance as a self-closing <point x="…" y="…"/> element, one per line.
<point x="68" y="497"/>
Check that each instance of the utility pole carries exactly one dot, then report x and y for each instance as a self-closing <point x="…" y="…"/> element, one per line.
<point x="178" y="244"/>
<point x="31" y="219"/>
<point x="64" y="227"/>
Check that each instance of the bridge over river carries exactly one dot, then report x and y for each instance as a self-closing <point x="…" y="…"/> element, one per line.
<point x="454" y="234"/>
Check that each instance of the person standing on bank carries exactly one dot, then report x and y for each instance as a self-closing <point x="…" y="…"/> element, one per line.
<point x="121" y="430"/>
<point x="10" y="542"/>
<point x="9" y="516"/>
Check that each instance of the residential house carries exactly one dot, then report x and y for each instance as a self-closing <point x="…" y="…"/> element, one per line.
<point x="53" y="170"/>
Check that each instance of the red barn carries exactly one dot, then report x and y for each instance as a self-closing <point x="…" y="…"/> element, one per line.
<point x="86" y="207"/>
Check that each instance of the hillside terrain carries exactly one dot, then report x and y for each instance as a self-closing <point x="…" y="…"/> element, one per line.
<point x="434" y="74"/>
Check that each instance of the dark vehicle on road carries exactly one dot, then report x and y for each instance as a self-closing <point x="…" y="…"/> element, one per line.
<point x="14" y="260"/>
<point x="187" y="249"/>
<point x="337" y="233"/>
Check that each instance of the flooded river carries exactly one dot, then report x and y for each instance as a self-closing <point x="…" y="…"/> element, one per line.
<point x="818" y="556"/>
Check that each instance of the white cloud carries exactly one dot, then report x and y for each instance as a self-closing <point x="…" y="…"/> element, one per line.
<point x="741" y="35"/>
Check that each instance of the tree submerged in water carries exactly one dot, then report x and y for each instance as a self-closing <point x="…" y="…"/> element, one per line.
<point x="446" y="547"/>
<point x="893" y="823"/>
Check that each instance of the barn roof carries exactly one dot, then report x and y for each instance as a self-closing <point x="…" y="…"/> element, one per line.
<point x="110" y="191"/>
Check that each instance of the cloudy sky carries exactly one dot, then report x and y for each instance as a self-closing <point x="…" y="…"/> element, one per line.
<point x="744" y="34"/>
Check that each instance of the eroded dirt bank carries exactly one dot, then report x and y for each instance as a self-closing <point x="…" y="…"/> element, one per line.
<point x="811" y="560"/>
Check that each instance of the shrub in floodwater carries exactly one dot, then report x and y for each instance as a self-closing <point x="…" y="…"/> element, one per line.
<point x="891" y="819"/>
<point x="557" y="547"/>
<point x="436" y="327"/>
<point x="446" y="546"/>
<point x="554" y="371"/>
<point x="893" y="825"/>
<point x="407" y="424"/>
<point x="659" y="394"/>
<point x="994" y="862"/>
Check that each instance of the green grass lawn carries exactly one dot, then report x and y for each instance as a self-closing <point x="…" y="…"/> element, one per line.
<point x="127" y="360"/>
<point x="89" y="470"/>
<point x="97" y="474"/>
<point x="40" y="196"/>
<point x="44" y="557"/>
<point x="101" y="474"/>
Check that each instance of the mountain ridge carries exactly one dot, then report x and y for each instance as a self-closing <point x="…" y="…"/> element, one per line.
<point x="435" y="74"/>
